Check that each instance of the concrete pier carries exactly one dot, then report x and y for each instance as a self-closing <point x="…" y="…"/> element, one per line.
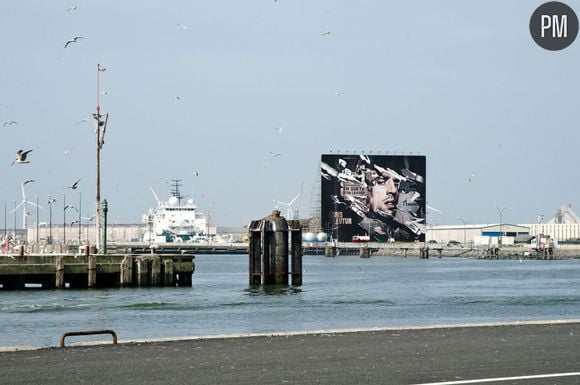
<point x="54" y="271"/>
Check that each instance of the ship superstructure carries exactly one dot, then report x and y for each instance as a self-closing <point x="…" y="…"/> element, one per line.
<point x="177" y="220"/>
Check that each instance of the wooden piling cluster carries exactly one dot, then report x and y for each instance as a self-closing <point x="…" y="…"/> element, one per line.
<point x="95" y="270"/>
<point x="271" y="240"/>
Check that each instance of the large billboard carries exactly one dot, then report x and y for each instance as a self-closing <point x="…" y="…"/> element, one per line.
<point x="376" y="198"/>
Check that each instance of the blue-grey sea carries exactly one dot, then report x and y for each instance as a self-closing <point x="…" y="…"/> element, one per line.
<point x="342" y="292"/>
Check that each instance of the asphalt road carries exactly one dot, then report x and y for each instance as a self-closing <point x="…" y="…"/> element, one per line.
<point x="405" y="356"/>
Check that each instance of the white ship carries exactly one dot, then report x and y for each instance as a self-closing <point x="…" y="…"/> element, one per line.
<point x="177" y="220"/>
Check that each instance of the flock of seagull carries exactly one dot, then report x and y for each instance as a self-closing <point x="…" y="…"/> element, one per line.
<point x="22" y="156"/>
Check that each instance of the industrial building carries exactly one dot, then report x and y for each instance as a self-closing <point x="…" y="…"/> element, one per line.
<point x="563" y="228"/>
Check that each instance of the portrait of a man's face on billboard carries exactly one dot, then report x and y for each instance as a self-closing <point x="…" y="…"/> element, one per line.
<point x="378" y="198"/>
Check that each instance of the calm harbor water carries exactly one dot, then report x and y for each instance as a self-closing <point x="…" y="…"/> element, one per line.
<point x="341" y="292"/>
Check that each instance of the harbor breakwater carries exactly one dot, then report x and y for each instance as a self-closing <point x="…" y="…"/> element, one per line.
<point x="59" y="271"/>
<point x="422" y="250"/>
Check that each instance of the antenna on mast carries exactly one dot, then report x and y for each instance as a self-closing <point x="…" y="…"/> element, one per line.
<point x="175" y="189"/>
<point x="99" y="69"/>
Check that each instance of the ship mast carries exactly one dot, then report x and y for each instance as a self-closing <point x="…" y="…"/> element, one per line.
<point x="175" y="189"/>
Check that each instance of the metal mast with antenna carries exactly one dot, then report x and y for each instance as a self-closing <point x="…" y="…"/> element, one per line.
<point x="175" y="190"/>
<point x="100" y="129"/>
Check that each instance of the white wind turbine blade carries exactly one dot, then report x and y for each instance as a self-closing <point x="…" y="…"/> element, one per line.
<point x="294" y="199"/>
<point x="34" y="204"/>
<point x="17" y="207"/>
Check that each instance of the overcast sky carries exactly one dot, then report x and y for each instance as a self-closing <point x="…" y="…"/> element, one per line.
<point x="201" y="86"/>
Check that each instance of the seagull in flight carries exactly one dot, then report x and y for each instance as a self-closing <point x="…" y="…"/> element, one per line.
<point x="71" y="207"/>
<point x="75" y="185"/>
<point x="184" y="27"/>
<point x="275" y="155"/>
<point x="279" y="129"/>
<point x="74" y="8"/>
<point x="21" y="157"/>
<point x="327" y="33"/>
<point x="471" y="176"/>
<point x="28" y="181"/>
<point x="73" y="40"/>
<point x="10" y="123"/>
<point x="83" y="120"/>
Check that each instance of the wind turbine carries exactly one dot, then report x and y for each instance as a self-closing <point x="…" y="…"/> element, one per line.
<point x="288" y="206"/>
<point x="24" y="203"/>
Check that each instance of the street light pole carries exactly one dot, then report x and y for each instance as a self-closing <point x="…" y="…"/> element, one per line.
<point x="64" y="226"/>
<point x="539" y="232"/>
<point x="15" y="222"/>
<point x="500" y="211"/>
<point x="80" y="219"/>
<point x="64" y="220"/>
<point x="5" y="231"/>
<point x="105" y="211"/>
<point x="461" y="219"/>
<point x="37" y="224"/>
<point x="51" y="200"/>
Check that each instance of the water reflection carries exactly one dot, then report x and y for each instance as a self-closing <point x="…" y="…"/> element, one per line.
<point x="267" y="290"/>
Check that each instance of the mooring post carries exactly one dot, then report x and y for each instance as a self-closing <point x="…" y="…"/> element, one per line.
<point x="155" y="271"/>
<point x="168" y="272"/>
<point x="255" y="251"/>
<point x="92" y="271"/>
<point x="364" y="252"/>
<point x="268" y="252"/>
<point x="278" y="244"/>
<point x="296" y="251"/>
<point x="142" y="271"/>
<point x="59" y="279"/>
<point x="126" y="278"/>
<point x="329" y="251"/>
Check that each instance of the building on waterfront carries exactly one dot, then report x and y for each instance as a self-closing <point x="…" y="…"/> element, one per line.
<point x="73" y="235"/>
<point x="564" y="215"/>
<point x="84" y="234"/>
<point x="473" y="233"/>
<point x="564" y="227"/>
<point x="478" y="233"/>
